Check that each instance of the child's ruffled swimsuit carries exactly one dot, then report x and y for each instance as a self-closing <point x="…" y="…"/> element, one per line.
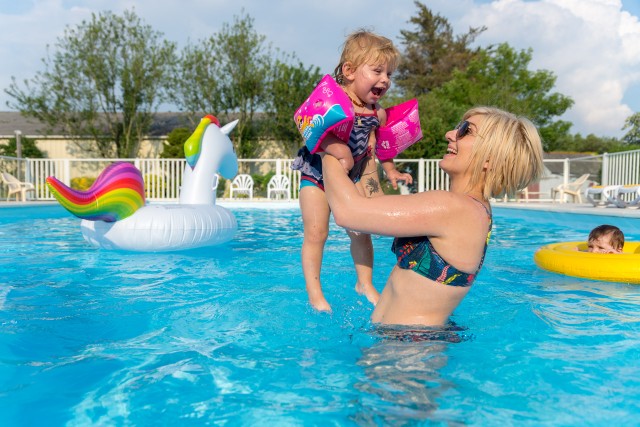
<point x="419" y="255"/>
<point x="310" y="165"/>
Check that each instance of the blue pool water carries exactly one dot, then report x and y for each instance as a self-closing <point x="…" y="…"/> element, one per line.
<point x="224" y="335"/>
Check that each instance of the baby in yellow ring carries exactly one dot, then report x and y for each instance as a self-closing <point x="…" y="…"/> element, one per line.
<point x="605" y="239"/>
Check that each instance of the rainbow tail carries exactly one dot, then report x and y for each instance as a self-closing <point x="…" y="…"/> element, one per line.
<point x="116" y="194"/>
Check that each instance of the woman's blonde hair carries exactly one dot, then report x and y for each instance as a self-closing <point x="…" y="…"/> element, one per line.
<point x="362" y="47"/>
<point x="511" y="148"/>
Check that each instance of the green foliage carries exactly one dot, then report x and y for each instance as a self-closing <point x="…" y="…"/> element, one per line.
<point x="432" y="52"/>
<point x="449" y="78"/>
<point x="260" y="183"/>
<point x="226" y="75"/>
<point x="290" y="86"/>
<point x="222" y="186"/>
<point x="438" y="115"/>
<point x="174" y="145"/>
<point x="500" y="78"/>
<point x="592" y="144"/>
<point x="497" y="77"/>
<point x="195" y="86"/>
<point x="28" y="148"/>
<point x="633" y="124"/>
<point x="82" y="183"/>
<point x="105" y="79"/>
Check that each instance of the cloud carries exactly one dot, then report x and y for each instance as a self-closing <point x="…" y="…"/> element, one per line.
<point x="592" y="46"/>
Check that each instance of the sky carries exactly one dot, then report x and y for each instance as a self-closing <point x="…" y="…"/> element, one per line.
<point x="592" y="46"/>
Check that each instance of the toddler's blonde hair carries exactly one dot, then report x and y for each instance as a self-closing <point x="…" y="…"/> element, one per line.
<point x="365" y="47"/>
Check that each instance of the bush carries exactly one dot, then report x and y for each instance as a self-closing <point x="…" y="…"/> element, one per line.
<point x="222" y="186"/>
<point x="29" y="148"/>
<point x="260" y="183"/>
<point x="82" y="183"/>
<point x="174" y="146"/>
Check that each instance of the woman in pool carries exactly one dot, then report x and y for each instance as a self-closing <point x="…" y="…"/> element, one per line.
<point x="441" y="236"/>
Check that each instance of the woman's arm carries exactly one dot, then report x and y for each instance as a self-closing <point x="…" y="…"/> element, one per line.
<point x="429" y="213"/>
<point x="338" y="149"/>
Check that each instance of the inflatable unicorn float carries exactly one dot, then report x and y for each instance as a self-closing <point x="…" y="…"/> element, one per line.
<point x="114" y="214"/>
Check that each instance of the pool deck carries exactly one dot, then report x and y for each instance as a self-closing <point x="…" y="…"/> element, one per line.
<point x="574" y="208"/>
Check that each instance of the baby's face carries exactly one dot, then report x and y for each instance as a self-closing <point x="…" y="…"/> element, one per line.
<point x="602" y="245"/>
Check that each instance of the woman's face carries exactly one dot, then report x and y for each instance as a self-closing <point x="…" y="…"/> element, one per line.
<point x="460" y="147"/>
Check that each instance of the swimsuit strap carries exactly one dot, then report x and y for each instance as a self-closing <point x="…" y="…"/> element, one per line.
<point x="489" y="214"/>
<point x="481" y="204"/>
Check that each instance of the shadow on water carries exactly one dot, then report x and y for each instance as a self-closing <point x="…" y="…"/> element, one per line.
<point x="403" y="379"/>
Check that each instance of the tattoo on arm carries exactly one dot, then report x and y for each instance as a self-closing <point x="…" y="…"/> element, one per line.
<point x="372" y="186"/>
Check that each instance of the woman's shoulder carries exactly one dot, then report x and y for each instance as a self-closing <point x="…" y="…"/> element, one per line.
<point x="453" y="204"/>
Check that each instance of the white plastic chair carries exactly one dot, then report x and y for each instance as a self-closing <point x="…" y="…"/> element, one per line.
<point x="572" y="189"/>
<point x="242" y="184"/>
<point x="278" y="186"/>
<point x="17" y="187"/>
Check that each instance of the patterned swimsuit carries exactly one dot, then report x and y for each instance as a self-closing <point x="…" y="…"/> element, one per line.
<point x="310" y="165"/>
<point x="419" y="255"/>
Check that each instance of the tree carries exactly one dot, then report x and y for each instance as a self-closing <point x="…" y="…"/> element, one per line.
<point x="227" y="75"/>
<point x="633" y="124"/>
<point x="592" y="144"/>
<point x="196" y="85"/>
<point x="497" y="77"/>
<point x="432" y="52"/>
<point x="289" y="86"/>
<point x="28" y="148"/>
<point x="104" y="82"/>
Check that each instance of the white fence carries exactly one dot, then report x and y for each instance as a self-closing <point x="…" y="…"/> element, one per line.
<point x="163" y="177"/>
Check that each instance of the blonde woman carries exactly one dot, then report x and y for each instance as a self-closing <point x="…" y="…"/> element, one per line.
<point x="441" y="236"/>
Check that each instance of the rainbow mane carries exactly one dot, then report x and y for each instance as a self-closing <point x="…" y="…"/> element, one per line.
<point x="193" y="144"/>
<point x="116" y="194"/>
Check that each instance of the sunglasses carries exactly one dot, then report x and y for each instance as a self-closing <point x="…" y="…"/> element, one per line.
<point x="463" y="129"/>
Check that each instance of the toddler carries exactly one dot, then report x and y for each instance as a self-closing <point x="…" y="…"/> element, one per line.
<point x="364" y="74"/>
<point x="605" y="239"/>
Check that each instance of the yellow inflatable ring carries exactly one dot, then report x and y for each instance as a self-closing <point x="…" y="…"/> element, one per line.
<point x="571" y="259"/>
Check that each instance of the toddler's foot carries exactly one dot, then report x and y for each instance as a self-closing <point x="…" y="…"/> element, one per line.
<point x="319" y="302"/>
<point x="368" y="291"/>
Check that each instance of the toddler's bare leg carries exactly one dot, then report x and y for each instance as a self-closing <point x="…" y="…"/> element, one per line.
<point x="315" y="218"/>
<point x="362" y="254"/>
<point x="361" y="245"/>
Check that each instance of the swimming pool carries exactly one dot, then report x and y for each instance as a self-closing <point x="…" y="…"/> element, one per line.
<point x="224" y="335"/>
